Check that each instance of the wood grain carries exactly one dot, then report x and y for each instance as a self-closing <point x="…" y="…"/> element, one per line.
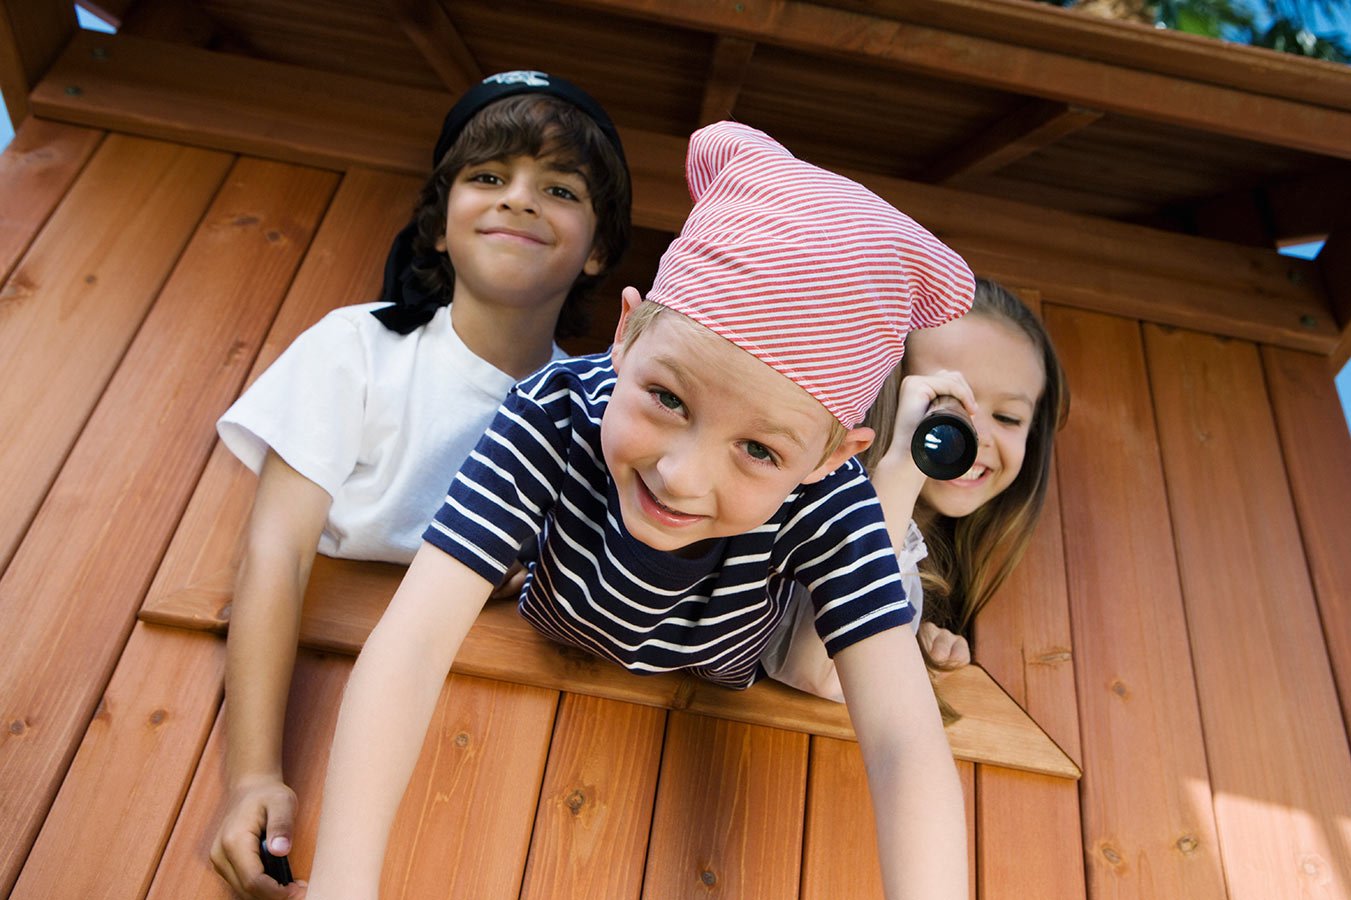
<point x="111" y="820"/>
<point x="36" y="170"/>
<point x="1317" y="454"/>
<point x="595" y="810"/>
<point x="85" y="286"/>
<point x="729" y="812"/>
<point x="73" y="588"/>
<point x="1279" y="764"/>
<point x="1148" y="826"/>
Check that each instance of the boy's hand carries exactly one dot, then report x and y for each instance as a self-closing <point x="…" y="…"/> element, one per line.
<point x="253" y="806"/>
<point x="947" y="650"/>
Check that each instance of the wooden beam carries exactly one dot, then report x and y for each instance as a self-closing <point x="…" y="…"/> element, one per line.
<point x="727" y="71"/>
<point x="997" y="64"/>
<point x="293" y="114"/>
<point x="438" y="40"/>
<point x="1334" y="264"/>
<point x="32" y="35"/>
<point x="1032" y="128"/>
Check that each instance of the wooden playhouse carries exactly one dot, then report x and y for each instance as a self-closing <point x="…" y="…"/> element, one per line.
<point x="185" y="196"/>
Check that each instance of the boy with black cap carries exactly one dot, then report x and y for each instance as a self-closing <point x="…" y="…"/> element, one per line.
<point x="353" y="428"/>
<point x="678" y="485"/>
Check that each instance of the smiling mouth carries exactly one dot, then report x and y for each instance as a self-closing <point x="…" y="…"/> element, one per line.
<point x="660" y="511"/>
<point x="512" y="234"/>
<point x="975" y="473"/>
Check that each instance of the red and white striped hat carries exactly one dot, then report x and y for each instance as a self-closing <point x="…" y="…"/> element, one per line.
<point x="809" y="272"/>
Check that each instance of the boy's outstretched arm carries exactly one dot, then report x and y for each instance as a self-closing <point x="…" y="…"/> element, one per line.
<point x="917" y="797"/>
<point x="384" y="717"/>
<point x="288" y="515"/>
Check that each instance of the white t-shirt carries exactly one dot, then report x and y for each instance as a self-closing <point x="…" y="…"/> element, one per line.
<point x="379" y="420"/>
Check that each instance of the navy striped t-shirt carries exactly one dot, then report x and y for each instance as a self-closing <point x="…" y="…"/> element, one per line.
<point x="538" y="471"/>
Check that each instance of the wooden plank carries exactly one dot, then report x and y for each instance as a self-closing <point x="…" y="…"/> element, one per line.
<point x="73" y="587"/>
<point x="1148" y="828"/>
<point x="839" y="848"/>
<point x="1020" y="134"/>
<point x="995" y="63"/>
<point x="1017" y="863"/>
<point x="36" y="170"/>
<point x="1024" y="639"/>
<point x="32" y="33"/>
<point x="343" y="266"/>
<point x="466" y="816"/>
<point x="726" y="73"/>
<point x="156" y="89"/>
<point x="1334" y="265"/>
<point x="311" y="713"/>
<point x="345" y="599"/>
<point x="109" y="824"/>
<point x="85" y="287"/>
<point x="1277" y="749"/>
<point x="194" y="96"/>
<point x="438" y="40"/>
<point x="1317" y="454"/>
<point x="729" y="812"/>
<point x="595" y="810"/>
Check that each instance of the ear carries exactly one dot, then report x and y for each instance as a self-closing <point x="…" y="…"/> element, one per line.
<point x="856" y="440"/>
<point x="441" y="244"/>
<point x="595" y="263"/>
<point x="630" y="300"/>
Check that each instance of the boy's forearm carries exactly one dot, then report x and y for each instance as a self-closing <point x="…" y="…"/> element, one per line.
<point x="383" y="721"/>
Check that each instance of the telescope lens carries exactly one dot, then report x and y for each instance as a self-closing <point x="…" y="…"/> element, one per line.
<point x="944" y="445"/>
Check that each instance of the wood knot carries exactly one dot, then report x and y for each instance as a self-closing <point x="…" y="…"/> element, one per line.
<point x="462" y="739"/>
<point x="1188" y="844"/>
<point x="708" y="878"/>
<point x="91" y="279"/>
<point x="1053" y="657"/>
<point x="1111" y="854"/>
<point x="1119" y="688"/>
<point x="244" y="221"/>
<point x="576" y="800"/>
<point x="18" y="726"/>
<point x="157" y="717"/>
<point x="273" y="236"/>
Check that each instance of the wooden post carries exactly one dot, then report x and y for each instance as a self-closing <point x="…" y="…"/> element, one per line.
<point x="32" y="34"/>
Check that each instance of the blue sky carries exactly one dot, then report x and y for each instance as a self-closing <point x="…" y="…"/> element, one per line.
<point x="1305" y="251"/>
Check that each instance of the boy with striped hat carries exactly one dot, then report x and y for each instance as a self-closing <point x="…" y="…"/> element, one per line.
<point x="679" y="484"/>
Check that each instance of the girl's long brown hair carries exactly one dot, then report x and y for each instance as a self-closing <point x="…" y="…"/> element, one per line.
<point x="970" y="557"/>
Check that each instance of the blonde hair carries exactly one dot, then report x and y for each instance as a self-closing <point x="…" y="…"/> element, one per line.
<point x="646" y="313"/>
<point x="971" y="556"/>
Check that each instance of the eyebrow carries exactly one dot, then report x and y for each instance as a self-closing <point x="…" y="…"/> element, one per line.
<point x="756" y="425"/>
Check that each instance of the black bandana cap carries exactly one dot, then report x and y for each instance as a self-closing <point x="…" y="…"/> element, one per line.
<point x="413" y="306"/>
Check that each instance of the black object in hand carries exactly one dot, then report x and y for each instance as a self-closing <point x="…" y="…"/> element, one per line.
<point x="944" y="445"/>
<point x="278" y="868"/>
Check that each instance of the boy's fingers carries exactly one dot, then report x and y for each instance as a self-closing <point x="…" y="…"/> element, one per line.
<point x="241" y="851"/>
<point x="280" y="821"/>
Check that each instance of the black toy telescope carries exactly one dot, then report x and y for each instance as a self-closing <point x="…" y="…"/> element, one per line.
<point x="944" y="445"/>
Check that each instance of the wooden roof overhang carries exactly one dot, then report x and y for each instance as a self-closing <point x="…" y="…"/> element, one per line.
<point x="1021" y="133"/>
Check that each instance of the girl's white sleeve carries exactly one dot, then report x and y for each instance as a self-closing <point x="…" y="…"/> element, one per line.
<point x="308" y="406"/>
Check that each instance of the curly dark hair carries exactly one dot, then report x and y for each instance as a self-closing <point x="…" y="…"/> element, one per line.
<point x="530" y="125"/>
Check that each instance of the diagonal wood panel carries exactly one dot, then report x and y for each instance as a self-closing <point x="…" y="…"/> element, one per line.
<point x="117" y="804"/>
<point x="73" y="587"/>
<point x="1279" y="764"/>
<point x="85" y="286"/>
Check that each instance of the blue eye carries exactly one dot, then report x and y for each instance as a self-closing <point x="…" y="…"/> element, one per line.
<point x="760" y="453"/>
<point x="668" y="399"/>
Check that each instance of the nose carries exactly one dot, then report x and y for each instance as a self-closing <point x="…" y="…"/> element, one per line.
<point x="984" y="426"/>
<point x="685" y="470"/>
<point x="520" y="196"/>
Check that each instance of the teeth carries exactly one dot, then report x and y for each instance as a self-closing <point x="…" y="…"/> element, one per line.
<point x="973" y="473"/>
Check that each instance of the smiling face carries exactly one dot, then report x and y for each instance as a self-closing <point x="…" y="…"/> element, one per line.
<point x="1005" y="373"/>
<point x="519" y="231"/>
<point x="702" y="439"/>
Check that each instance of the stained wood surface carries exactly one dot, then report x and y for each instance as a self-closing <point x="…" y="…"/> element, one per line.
<point x="111" y="820"/>
<point x="1281" y="801"/>
<point x="729" y="811"/>
<point x="36" y="171"/>
<point x="595" y="806"/>
<point x="72" y="589"/>
<point x="86" y="285"/>
<point x="1315" y="449"/>
<point x="345" y="598"/>
<point x="173" y="91"/>
<point x="343" y="266"/>
<point x="1148" y="826"/>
